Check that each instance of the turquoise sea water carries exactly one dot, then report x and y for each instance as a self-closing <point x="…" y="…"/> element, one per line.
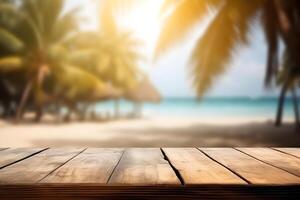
<point x="208" y="107"/>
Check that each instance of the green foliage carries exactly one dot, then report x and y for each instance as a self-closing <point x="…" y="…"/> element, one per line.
<point x="9" y="41"/>
<point x="112" y="58"/>
<point x="119" y="62"/>
<point x="45" y="57"/>
<point x="8" y="64"/>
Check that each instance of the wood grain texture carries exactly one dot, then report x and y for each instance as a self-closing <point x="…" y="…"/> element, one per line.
<point x="275" y="158"/>
<point x="35" y="168"/>
<point x="196" y="168"/>
<point x="10" y="156"/>
<point x="140" y="166"/>
<point x="91" y="166"/>
<point x="253" y="170"/>
<point x="291" y="151"/>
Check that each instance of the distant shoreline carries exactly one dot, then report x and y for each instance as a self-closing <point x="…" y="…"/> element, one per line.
<point x="227" y="97"/>
<point x="208" y="107"/>
<point x="49" y="119"/>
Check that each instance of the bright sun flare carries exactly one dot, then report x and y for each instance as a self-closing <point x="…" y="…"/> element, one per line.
<point x="145" y="23"/>
<point x="143" y="19"/>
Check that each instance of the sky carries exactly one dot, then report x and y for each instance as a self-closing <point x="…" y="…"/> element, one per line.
<point x="170" y="74"/>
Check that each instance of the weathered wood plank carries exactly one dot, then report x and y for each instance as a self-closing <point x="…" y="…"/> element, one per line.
<point x="196" y="168"/>
<point x="275" y="158"/>
<point x="37" y="167"/>
<point x="143" y="167"/>
<point x="10" y="156"/>
<point x="291" y="151"/>
<point x="91" y="166"/>
<point x="255" y="171"/>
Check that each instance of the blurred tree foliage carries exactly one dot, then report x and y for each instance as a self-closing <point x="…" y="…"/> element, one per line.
<point x="47" y="61"/>
<point x="229" y="29"/>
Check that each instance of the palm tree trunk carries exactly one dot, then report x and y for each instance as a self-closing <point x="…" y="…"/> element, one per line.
<point x="24" y="99"/>
<point x="57" y="107"/>
<point x="281" y="104"/>
<point x="82" y="112"/>
<point x="67" y="116"/>
<point x="7" y="112"/>
<point x="117" y="108"/>
<point x="140" y="110"/>
<point x="39" y="113"/>
<point x="296" y="107"/>
<point x="135" y="110"/>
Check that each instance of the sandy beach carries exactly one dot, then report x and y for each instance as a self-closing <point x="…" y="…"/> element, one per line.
<point x="151" y="132"/>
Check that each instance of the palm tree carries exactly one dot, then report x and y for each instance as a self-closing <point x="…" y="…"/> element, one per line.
<point x="118" y="60"/>
<point x="40" y="26"/>
<point x="118" y="64"/>
<point x="119" y="55"/>
<point x="56" y="65"/>
<point x="229" y="29"/>
<point x="72" y="86"/>
<point x="10" y="81"/>
<point x="289" y="77"/>
<point x="112" y="58"/>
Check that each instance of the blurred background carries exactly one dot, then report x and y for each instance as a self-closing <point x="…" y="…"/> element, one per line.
<point x="122" y="73"/>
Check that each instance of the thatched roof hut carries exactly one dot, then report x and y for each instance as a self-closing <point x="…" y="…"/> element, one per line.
<point x="145" y="91"/>
<point x="111" y="93"/>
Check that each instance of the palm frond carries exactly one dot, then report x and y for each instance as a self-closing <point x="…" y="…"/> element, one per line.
<point x="229" y="29"/>
<point x="11" y="63"/>
<point x="269" y="21"/>
<point x="65" y="25"/>
<point x="10" y="41"/>
<point x="51" y="12"/>
<point x="7" y="8"/>
<point x="77" y="84"/>
<point x="183" y="18"/>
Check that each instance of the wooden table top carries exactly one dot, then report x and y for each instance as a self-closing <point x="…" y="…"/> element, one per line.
<point x="148" y="168"/>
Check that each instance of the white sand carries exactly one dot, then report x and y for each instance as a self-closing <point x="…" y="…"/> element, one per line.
<point x="151" y="132"/>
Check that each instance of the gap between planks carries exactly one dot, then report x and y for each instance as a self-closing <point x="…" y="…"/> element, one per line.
<point x="195" y="167"/>
<point x="22" y="158"/>
<point x="255" y="171"/>
<point x="285" y="152"/>
<point x="36" y="167"/>
<point x="115" y="176"/>
<point x="269" y="163"/>
<point x="176" y="171"/>
<point x="165" y="157"/>
<point x="93" y="166"/>
<point x="143" y="166"/>
<point x="62" y="165"/>
<point x="231" y="170"/>
<point x="115" y="166"/>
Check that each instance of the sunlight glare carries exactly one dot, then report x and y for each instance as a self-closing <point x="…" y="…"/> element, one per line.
<point x="144" y="21"/>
